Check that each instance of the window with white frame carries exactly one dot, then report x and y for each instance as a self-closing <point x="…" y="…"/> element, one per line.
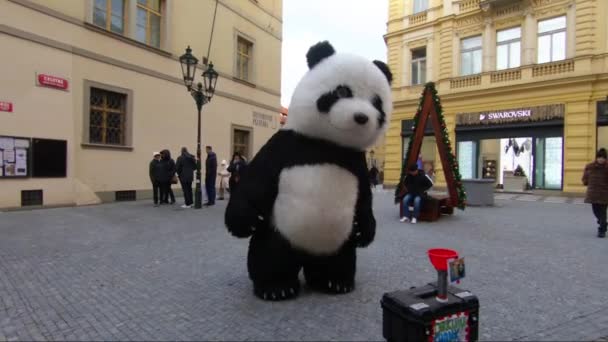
<point x="470" y="56"/>
<point x="149" y="14"/>
<point x="419" y="66"/>
<point x="508" y="48"/>
<point x="420" y="6"/>
<point x="552" y="40"/>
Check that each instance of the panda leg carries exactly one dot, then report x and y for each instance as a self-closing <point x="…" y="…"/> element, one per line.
<point x="332" y="274"/>
<point x="273" y="267"/>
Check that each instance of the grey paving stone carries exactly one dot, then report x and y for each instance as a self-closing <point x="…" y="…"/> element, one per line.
<point x="131" y="271"/>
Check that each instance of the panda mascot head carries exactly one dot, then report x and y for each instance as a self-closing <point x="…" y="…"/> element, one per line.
<point x="345" y="99"/>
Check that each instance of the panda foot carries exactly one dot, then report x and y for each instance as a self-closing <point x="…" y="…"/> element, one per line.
<point x="334" y="286"/>
<point x="276" y="293"/>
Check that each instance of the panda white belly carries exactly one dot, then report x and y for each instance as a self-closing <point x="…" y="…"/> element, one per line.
<point x="315" y="206"/>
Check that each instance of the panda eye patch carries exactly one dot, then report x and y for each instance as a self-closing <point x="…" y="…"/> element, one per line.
<point x="327" y="100"/>
<point x="377" y="102"/>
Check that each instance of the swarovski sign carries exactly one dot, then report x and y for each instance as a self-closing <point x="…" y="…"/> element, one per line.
<point x="515" y="115"/>
<point x="506" y="115"/>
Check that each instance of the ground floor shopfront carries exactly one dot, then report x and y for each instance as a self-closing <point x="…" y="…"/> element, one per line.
<point x="522" y="140"/>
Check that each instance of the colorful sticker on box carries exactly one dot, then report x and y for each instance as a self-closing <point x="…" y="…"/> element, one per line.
<point x="451" y="328"/>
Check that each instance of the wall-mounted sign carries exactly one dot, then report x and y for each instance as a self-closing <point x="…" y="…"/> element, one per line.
<point x="6" y="107"/>
<point x="49" y="81"/>
<point x="264" y="120"/>
<point x="540" y="113"/>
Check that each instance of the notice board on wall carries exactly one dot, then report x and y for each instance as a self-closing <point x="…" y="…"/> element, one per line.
<point x="14" y="157"/>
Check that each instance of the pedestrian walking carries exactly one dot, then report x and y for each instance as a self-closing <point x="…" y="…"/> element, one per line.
<point x="237" y="164"/>
<point x="416" y="184"/>
<point x="154" y="177"/>
<point x="210" y="175"/>
<point x="185" y="167"/>
<point x="224" y="176"/>
<point x="373" y="176"/>
<point x="595" y="178"/>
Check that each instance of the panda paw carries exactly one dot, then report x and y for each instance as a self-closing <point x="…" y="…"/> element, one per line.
<point x="277" y="293"/>
<point x="335" y="287"/>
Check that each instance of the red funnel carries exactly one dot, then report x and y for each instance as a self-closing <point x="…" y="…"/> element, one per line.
<point x="439" y="257"/>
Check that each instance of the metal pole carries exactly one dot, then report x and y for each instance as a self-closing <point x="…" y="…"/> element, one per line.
<point x="442" y="286"/>
<point x="198" y="194"/>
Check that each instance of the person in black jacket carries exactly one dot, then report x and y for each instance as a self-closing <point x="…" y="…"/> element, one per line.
<point x="237" y="164"/>
<point x="153" y="178"/>
<point x="166" y="171"/>
<point x="185" y="166"/>
<point x="417" y="184"/>
<point x="210" y="175"/>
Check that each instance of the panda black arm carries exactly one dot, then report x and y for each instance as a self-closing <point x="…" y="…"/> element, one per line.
<point x="365" y="223"/>
<point x="250" y="206"/>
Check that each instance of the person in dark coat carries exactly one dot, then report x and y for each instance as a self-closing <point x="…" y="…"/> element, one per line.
<point x="210" y="175"/>
<point x="237" y="165"/>
<point x="166" y="171"/>
<point x="185" y="167"/>
<point x="153" y="178"/>
<point x="373" y="176"/>
<point x="595" y="178"/>
<point x="417" y="184"/>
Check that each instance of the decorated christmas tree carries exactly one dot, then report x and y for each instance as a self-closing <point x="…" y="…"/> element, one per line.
<point x="451" y="158"/>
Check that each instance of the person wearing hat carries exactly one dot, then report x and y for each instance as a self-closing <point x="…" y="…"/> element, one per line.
<point x="224" y="176"/>
<point x="154" y="177"/>
<point x="595" y="178"/>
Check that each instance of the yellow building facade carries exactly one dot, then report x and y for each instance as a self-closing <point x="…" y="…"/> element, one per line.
<point x="91" y="88"/>
<point x="523" y="84"/>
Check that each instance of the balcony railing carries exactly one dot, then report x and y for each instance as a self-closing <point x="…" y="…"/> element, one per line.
<point x="553" y="68"/>
<point x="468" y="5"/>
<point x="465" y="82"/>
<point x="418" y="18"/>
<point x="505" y="76"/>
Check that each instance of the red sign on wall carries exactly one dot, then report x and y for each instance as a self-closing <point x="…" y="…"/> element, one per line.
<point x="6" y="107"/>
<point x="52" y="82"/>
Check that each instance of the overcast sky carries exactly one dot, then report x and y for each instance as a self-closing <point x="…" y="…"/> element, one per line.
<point x="353" y="26"/>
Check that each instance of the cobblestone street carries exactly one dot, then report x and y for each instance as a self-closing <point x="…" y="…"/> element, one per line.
<point x="128" y="271"/>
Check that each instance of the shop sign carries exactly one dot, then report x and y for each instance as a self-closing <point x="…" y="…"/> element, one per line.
<point x="6" y="106"/>
<point x="52" y="82"/>
<point x="451" y="328"/>
<point x="540" y="113"/>
<point x="264" y="120"/>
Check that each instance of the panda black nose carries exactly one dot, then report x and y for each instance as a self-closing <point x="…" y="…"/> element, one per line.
<point x="361" y="118"/>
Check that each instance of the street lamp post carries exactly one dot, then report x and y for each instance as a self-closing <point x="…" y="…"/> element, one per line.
<point x="202" y="94"/>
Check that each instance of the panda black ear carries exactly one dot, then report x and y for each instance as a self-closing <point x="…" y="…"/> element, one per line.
<point x="318" y="52"/>
<point x="385" y="70"/>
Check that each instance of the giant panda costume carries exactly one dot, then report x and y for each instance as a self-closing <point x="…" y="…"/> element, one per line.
<point x="305" y="198"/>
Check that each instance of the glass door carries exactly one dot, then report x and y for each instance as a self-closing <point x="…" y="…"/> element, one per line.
<point x="467" y="159"/>
<point x="549" y="163"/>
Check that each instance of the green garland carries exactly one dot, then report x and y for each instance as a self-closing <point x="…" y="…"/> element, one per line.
<point x="452" y="161"/>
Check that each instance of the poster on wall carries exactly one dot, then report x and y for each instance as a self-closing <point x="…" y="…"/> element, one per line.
<point x="14" y="157"/>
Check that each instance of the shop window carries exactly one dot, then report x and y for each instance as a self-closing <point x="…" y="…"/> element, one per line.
<point x="419" y="66"/>
<point x="470" y="56"/>
<point x="107" y="117"/>
<point x="467" y="159"/>
<point x="420" y="6"/>
<point x="148" y="24"/>
<point x="110" y="15"/>
<point x="508" y="48"/>
<point x="552" y="40"/>
<point x="241" y="140"/>
<point x="243" y="58"/>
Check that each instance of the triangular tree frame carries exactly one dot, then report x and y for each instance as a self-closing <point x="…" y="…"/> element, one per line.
<point x="430" y="108"/>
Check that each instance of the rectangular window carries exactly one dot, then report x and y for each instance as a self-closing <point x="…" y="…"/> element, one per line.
<point x="240" y="142"/>
<point x="467" y="159"/>
<point x="508" y="48"/>
<point x="110" y="15"/>
<point x="552" y="40"/>
<point x="419" y="66"/>
<point x="243" y="58"/>
<point x="420" y="6"/>
<point x="107" y="121"/>
<point x="148" y="22"/>
<point x="470" y="56"/>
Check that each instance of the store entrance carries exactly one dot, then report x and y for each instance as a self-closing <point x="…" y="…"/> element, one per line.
<point x="517" y="164"/>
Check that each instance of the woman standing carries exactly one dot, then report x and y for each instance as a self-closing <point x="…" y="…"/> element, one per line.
<point x="236" y="167"/>
<point x="224" y="175"/>
<point x="596" y="180"/>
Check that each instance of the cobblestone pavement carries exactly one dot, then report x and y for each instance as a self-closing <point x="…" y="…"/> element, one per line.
<point x="128" y="271"/>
